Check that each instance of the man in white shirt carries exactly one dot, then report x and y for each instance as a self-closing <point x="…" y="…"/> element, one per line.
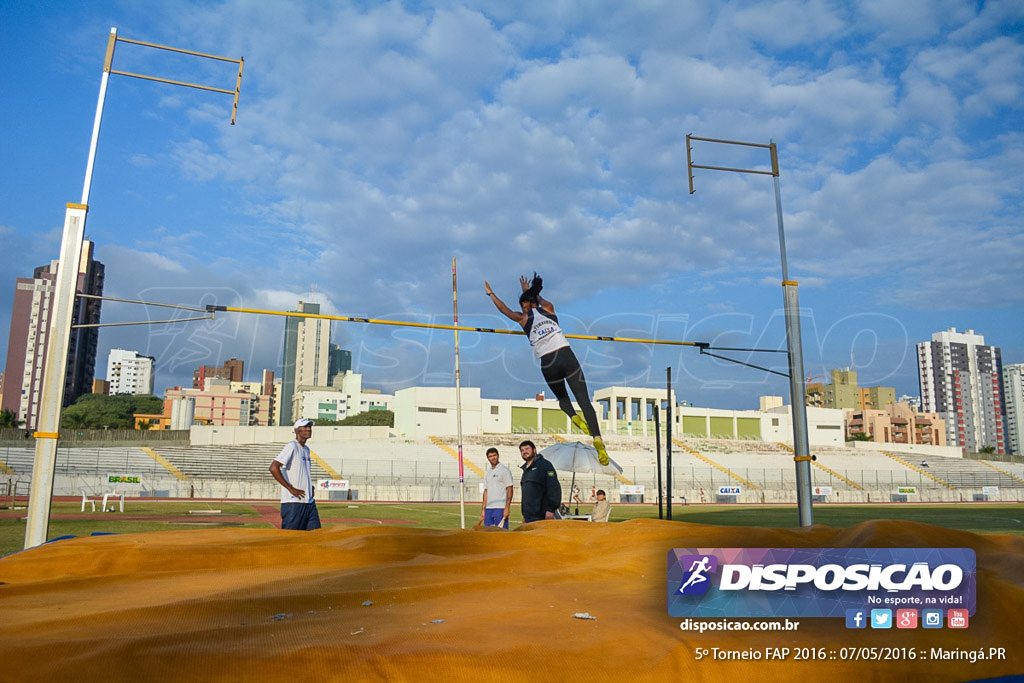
<point x="292" y="470"/>
<point x="497" y="492"/>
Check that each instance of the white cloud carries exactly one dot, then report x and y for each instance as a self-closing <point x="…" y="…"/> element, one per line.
<point x="788" y="23"/>
<point x="375" y="142"/>
<point x="901" y="23"/>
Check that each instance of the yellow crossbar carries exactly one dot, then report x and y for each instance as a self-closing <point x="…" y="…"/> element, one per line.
<point x="372" y="321"/>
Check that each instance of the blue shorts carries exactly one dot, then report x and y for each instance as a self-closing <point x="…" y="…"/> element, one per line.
<point x="299" y="516"/>
<point x="492" y="517"/>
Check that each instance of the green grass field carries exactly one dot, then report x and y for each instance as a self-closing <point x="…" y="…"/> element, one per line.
<point x="151" y="515"/>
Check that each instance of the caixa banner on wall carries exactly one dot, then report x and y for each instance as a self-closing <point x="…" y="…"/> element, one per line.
<point x="816" y="582"/>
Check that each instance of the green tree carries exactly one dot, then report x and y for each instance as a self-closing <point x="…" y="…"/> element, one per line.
<point x="9" y="419"/>
<point x="75" y="420"/>
<point x="99" y="411"/>
<point x="370" y="418"/>
<point x="860" y="436"/>
<point x="987" y="450"/>
<point x="384" y="418"/>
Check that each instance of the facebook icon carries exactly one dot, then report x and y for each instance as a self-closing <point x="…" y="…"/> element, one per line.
<point x="856" y="618"/>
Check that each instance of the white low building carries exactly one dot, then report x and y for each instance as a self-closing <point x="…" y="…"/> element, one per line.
<point x="320" y="403"/>
<point x="431" y="411"/>
<point x="344" y="398"/>
<point x="825" y="426"/>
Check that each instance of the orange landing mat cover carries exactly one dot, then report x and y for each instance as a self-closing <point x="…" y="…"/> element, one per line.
<point x="403" y="604"/>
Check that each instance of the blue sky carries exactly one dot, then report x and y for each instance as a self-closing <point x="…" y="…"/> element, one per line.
<point x="377" y="141"/>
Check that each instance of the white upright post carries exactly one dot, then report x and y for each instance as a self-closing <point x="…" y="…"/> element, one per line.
<point x="59" y="337"/>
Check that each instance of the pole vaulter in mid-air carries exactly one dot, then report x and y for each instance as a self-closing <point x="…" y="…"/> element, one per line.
<point x="558" y="363"/>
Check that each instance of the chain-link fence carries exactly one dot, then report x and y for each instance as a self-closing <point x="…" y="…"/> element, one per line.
<point x="431" y="483"/>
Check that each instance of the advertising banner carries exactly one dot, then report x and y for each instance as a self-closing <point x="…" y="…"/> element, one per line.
<point x="122" y="480"/>
<point x="817" y="582"/>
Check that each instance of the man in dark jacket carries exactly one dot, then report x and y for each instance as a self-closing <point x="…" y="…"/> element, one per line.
<point x="541" y="492"/>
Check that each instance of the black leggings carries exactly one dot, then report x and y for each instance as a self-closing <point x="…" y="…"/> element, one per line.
<point x="559" y="368"/>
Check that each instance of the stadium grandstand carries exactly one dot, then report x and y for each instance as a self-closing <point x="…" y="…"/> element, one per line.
<point x="391" y="468"/>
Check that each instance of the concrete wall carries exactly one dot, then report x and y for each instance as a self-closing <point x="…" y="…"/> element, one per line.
<point x="426" y="411"/>
<point x="825" y="426"/>
<point x="206" y="435"/>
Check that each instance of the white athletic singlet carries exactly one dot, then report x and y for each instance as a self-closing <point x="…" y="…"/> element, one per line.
<point x="543" y="331"/>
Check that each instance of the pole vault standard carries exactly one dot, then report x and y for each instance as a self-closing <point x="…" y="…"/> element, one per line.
<point x="55" y="360"/>
<point x="458" y="400"/>
<point x="797" y="395"/>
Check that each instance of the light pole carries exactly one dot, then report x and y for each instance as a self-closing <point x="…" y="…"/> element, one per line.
<point x="58" y="339"/>
<point x="794" y="345"/>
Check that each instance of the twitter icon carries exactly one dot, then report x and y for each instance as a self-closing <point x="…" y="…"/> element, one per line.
<point x="881" y="618"/>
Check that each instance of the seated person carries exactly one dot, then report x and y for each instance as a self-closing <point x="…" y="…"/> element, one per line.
<point x="924" y="463"/>
<point x="602" y="508"/>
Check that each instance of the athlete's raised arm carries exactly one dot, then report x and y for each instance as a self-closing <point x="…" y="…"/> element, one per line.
<point x="516" y="316"/>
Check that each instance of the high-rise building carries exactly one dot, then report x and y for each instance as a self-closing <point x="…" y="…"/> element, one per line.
<point x="898" y="423"/>
<point x="876" y="398"/>
<point x="29" y="337"/>
<point x="814" y="395"/>
<point x="233" y="370"/>
<point x="1013" y="391"/>
<point x="262" y="406"/>
<point x="304" y="360"/>
<point x="129" y="372"/>
<point x="339" y="360"/>
<point x="216" y="404"/>
<point x="961" y="380"/>
<point x="844" y="394"/>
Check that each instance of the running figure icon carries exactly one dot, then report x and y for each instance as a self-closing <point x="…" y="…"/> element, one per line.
<point x="697" y="571"/>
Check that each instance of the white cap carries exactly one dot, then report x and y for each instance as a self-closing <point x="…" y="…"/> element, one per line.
<point x="303" y="422"/>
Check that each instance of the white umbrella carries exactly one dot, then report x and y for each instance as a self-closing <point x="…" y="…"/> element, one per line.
<point x="577" y="457"/>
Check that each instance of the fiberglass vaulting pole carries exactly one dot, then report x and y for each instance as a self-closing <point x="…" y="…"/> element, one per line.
<point x="458" y="401"/>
